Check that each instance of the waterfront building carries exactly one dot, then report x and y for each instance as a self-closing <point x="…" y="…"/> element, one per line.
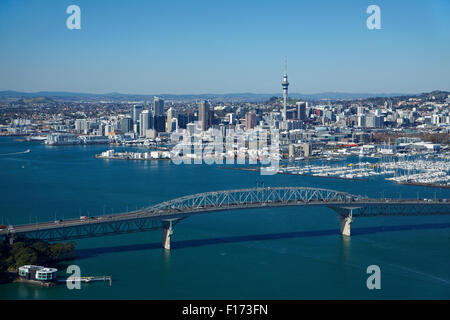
<point x="39" y="273"/>
<point x="94" y="139"/>
<point x="55" y="139"/>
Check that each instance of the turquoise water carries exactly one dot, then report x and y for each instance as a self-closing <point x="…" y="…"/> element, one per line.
<point x="285" y="253"/>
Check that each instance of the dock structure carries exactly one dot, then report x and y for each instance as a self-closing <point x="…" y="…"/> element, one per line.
<point x="165" y="215"/>
<point x="88" y="279"/>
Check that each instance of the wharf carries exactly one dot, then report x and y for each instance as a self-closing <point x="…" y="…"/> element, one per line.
<point x="428" y="185"/>
<point x="88" y="279"/>
<point x="295" y="174"/>
<point x="98" y="156"/>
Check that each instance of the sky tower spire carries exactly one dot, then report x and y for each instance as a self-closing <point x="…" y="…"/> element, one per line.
<point x="285" y="85"/>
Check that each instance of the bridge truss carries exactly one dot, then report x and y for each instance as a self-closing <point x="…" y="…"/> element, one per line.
<point x="166" y="214"/>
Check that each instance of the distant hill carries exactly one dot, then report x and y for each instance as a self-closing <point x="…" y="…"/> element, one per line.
<point x="437" y="94"/>
<point x="36" y="100"/>
<point x="232" y="97"/>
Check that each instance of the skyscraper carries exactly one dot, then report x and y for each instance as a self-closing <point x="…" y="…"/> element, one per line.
<point x="301" y="110"/>
<point x="158" y="108"/>
<point x="250" y="120"/>
<point x="171" y="115"/>
<point x="203" y="115"/>
<point x="135" y="112"/>
<point x="126" y="125"/>
<point x="145" y="120"/>
<point x="285" y="85"/>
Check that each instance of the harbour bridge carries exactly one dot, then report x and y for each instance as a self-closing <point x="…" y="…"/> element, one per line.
<point x="166" y="214"/>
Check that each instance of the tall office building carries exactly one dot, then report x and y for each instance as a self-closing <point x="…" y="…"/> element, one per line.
<point x="145" y="121"/>
<point x="373" y="121"/>
<point x="285" y="85"/>
<point x="182" y="120"/>
<point x="158" y="107"/>
<point x="80" y="125"/>
<point x="231" y="118"/>
<point x="126" y="125"/>
<point x="135" y="112"/>
<point x="250" y="120"/>
<point x="171" y="115"/>
<point x="204" y="115"/>
<point x="159" y="123"/>
<point x="301" y="110"/>
<point x="361" y="110"/>
<point x="362" y="121"/>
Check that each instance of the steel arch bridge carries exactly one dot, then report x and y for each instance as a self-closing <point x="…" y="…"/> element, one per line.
<point x="243" y="198"/>
<point x="166" y="214"/>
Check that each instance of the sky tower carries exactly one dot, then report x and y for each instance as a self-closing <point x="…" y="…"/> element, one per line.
<point x="285" y="85"/>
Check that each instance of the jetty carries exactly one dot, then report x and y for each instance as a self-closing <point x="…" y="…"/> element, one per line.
<point x="88" y="279"/>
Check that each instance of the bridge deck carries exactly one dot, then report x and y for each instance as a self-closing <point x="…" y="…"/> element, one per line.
<point x="177" y="209"/>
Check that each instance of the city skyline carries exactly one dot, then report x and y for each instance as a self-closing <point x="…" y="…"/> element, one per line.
<point x="198" y="48"/>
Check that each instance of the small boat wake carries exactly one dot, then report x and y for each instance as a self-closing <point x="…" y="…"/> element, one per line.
<point x="13" y="153"/>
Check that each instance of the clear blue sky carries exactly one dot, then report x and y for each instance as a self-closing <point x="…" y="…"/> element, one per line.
<point x="215" y="46"/>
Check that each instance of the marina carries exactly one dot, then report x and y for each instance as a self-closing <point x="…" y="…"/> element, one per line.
<point x="419" y="170"/>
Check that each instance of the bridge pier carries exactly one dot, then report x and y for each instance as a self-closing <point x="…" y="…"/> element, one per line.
<point x="344" y="221"/>
<point x="167" y="232"/>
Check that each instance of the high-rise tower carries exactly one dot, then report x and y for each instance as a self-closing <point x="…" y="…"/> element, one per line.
<point x="204" y="115"/>
<point x="285" y="85"/>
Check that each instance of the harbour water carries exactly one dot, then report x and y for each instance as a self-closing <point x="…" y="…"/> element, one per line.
<point x="282" y="253"/>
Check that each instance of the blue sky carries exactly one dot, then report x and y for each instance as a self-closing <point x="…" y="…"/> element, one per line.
<point x="197" y="46"/>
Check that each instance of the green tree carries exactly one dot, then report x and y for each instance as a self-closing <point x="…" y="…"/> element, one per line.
<point x="24" y="257"/>
<point x="60" y="250"/>
<point x="3" y="255"/>
<point x="42" y="250"/>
